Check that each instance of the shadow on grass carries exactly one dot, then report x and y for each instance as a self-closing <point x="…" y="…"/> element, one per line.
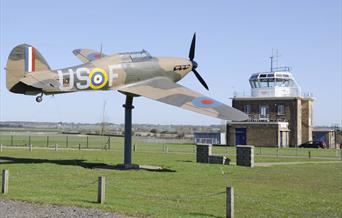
<point x="204" y="214"/>
<point x="78" y="162"/>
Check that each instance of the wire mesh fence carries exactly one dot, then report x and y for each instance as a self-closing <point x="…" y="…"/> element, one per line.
<point x="143" y="144"/>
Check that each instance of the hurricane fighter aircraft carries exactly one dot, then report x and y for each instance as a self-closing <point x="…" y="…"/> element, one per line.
<point x="131" y="73"/>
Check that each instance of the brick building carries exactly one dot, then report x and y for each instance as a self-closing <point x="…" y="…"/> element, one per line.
<point x="279" y="115"/>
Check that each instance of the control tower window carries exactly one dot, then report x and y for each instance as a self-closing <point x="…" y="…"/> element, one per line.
<point x="247" y="109"/>
<point x="264" y="112"/>
<point x="280" y="109"/>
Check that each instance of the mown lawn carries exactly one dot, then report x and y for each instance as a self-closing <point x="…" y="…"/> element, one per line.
<point x="193" y="190"/>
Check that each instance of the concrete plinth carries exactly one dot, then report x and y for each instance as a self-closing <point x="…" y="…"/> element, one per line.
<point x="245" y="155"/>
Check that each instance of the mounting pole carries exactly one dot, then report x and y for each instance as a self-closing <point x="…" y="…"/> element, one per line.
<point x="128" y="130"/>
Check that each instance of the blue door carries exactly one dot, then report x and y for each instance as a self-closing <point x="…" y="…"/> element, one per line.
<point x="240" y="136"/>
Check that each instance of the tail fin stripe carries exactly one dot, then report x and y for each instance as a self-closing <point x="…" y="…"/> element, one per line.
<point x="26" y="59"/>
<point x="30" y="59"/>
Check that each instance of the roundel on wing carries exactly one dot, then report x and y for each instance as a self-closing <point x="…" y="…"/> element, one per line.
<point x="204" y="102"/>
<point x="98" y="78"/>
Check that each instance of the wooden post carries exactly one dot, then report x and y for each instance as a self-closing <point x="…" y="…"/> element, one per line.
<point x="29" y="140"/>
<point x="47" y="141"/>
<point x="87" y="141"/>
<point x="101" y="190"/>
<point x="0" y="147"/>
<point x="11" y="140"/>
<point x="4" y="188"/>
<point x="108" y="142"/>
<point x="309" y="154"/>
<point x="67" y="142"/>
<point x="79" y="146"/>
<point x="260" y="150"/>
<point x="30" y="147"/>
<point x="229" y="202"/>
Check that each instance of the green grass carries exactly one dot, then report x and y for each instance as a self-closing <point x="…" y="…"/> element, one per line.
<point x="194" y="190"/>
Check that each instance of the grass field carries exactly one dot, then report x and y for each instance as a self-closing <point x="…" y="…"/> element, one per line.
<point x="193" y="190"/>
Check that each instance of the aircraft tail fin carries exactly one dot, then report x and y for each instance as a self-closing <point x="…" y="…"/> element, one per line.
<point x="23" y="59"/>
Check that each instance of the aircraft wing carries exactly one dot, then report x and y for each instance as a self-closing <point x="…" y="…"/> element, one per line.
<point x="86" y="55"/>
<point x="164" y="90"/>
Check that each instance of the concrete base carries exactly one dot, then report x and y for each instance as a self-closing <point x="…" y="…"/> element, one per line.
<point x="245" y="155"/>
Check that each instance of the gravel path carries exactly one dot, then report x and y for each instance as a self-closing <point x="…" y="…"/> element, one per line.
<point x="20" y="209"/>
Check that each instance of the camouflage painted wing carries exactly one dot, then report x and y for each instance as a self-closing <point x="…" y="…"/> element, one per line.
<point x="87" y="55"/>
<point x="164" y="90"/>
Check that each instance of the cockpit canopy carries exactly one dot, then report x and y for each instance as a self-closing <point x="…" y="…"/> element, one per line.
<point x="272" y="79"/>
<point x="135" y="56"/>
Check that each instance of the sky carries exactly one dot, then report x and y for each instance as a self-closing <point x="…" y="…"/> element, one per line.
<point x="234" y="40"/>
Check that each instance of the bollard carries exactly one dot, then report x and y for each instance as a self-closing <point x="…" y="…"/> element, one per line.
<point x="229" y="202"/>
<point x="56" y="147"/>
<point x="101" y="190"/>
<point x="309" y="154"/>
<point x="0" y="147"/>
<point x="4" y="188"/>
<point x="30" y="147"/>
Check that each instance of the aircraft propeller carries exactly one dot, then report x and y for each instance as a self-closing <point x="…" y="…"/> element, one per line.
<point x="194" y="63"/>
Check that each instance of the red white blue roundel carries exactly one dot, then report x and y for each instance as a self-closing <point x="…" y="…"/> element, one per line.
<point x="98" y="78"/>
<point x="204" y="102"/>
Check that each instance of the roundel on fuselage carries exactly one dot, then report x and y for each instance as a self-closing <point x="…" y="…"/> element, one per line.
<point x="98" y="78"/>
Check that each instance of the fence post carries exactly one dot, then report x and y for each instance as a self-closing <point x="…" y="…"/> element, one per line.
<point x="309" y="154"/>
<point x="101" y="190"/>
<point x="260" y="150"/>
<point x="67" y="142"/>
<point x="47" y="141"/>
<point x="0" y="147"/>
<point x="229" y="202"/>
<point x="87" y="141"/>
<point x="30" y="147"/>
<point x="56" y="147"/>
<point x="29" y="139"/>
<point x="108" y="142"/>
<point x="4" y="188"/>
<point x="11" y="140"/>
<point x="79" y="146"/>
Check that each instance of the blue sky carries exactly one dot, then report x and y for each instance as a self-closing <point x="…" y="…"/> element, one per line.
<point x="234" y="40"/>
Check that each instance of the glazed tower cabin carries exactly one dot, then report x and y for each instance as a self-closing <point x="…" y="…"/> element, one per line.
<point x="279" y="114"/>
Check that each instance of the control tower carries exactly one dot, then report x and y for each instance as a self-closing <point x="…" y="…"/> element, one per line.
<point x="279" y="114"/>
<point x="279" y="82"/>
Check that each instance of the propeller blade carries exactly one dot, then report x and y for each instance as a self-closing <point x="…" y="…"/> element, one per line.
<point x="200" y="79"/>
<point x="192" y="48"/>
